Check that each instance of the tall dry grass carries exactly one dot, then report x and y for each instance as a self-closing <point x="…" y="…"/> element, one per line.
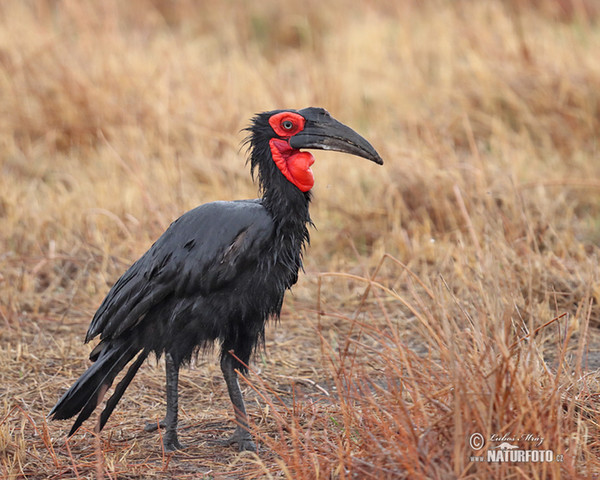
<point x="453" y="291"/>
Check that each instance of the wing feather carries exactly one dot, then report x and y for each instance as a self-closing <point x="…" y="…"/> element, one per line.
<point x="201" y="252"/>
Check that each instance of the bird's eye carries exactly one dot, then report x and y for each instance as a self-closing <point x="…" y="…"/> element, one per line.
<point x="286" y="124"/>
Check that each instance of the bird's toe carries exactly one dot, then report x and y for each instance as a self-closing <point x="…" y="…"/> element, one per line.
<point x="247" y="445"/>
<point x="154" y="426"/>
<point x="171" y="443"/>
<point x="243" y="440"/>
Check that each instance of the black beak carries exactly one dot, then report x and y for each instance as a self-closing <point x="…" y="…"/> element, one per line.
<point x="323" y="132"/>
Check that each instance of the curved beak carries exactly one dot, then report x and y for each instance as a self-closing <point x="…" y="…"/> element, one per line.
<point x="323" y="132"/>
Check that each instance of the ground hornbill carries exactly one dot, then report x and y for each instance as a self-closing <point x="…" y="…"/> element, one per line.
<point x="219" y="272"/>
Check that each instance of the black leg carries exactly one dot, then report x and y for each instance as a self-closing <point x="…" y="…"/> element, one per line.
<point x="170" y="440"/>
<point x="241" y="436"/>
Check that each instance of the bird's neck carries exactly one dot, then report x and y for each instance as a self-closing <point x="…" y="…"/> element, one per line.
<point x="288" y="207"/>
<point x="291" y="218"/>
<point x="286" y="203"/>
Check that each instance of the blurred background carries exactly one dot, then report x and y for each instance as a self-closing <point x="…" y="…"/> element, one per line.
<point x="117" y="117"/>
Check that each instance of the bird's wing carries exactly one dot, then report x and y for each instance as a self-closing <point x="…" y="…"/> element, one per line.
<point x="201" y="252"/>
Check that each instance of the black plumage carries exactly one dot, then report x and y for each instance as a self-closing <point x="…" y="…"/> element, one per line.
<point x="218" y="273"/>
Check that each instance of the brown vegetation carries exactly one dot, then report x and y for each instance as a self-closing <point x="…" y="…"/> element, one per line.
<point x="453" y="291"/>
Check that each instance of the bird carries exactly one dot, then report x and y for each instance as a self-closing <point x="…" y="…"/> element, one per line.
<point x="216" y="276"/>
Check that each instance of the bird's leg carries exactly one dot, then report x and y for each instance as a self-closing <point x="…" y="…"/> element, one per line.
<point x="170" y="440"/>
<point x="153" y="426"/>
<point x="241" y="436"/>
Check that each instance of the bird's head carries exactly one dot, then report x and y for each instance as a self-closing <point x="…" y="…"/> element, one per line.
<point x="276" y="139"/>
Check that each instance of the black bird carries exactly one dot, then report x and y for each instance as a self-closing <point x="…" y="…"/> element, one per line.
<point x="219" y="272"/>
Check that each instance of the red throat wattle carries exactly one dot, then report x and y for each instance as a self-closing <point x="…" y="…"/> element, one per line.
<point x="294" y="164"/>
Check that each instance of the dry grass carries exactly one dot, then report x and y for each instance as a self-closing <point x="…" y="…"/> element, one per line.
<point x="469" y="298"/>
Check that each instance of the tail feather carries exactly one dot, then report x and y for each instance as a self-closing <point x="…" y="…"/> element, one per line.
<point x="89" y="407"/>
<point x="120" y="388"/>
<point x="87" y="392"/>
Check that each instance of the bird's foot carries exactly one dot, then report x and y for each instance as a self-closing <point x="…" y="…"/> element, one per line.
<point x="170" y="439"/>
<point x="243" y="440"/>
<point x="154" y="426"/>
<point x="171" y="442"/>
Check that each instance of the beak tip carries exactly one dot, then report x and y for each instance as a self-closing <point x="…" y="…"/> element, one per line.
<point x="374" y="157"/>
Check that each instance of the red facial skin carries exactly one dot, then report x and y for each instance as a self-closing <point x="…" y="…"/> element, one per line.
<point x="294" y="164"/>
